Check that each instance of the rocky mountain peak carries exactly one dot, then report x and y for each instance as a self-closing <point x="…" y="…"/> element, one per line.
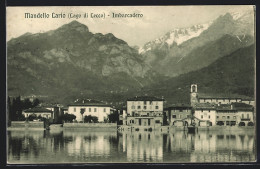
<point x="74" y="25"/>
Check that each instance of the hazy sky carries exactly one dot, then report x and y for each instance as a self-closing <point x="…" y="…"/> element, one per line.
<point x="156" y="20"/>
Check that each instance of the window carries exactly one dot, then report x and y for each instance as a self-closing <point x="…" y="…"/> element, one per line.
<point x="201" y="116"/>
<point x="132" y="121"/>
<point x="151" y="102"/>
<point x="157" y="121"/>
<point x="95" y="109"/>
<point x="144" y="102"/>
<point x="140" y="122"/>
<point x="74" y="109"/>
<point x="144" y="107"/>
<point x="156" y="107"/>
<point x="89" y="109"/>
<point x="188" y="116"/>
<point x="242" y="116"/>
<point x="139" y="107"/>
<point x="173" y="116"/>
<point x="209" y="117"/>
<point x="247" y="116"/>
<point x="149" y="122"/>
<point x="180" y="110"/>
<point x="180" y="116"/>
<point x="133" y="107"/>
<point x="217" y="117"/>
<point x="209" y="110"/>
<point x="227" y="117"/>
<point x="105" y="109"/>
<point x="201" y="110"/>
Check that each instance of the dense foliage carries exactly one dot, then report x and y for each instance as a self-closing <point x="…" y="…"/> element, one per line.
<point x="68" y="117"/>
<point x="16" y="106"/>
<point x="90" y="119"/>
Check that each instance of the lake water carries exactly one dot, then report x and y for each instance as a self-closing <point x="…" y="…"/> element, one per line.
<point x="152" y="147"/>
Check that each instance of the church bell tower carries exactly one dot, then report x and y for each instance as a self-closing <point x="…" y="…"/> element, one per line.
<point x="193" y="94"/>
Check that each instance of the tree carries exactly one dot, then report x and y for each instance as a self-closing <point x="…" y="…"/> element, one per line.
<point x="113" y="117"/>
<point x="82" y="111"/>
<point x="68" y="117"/>
<point x="89" y="119"/>
<point x="36" y="102"/>
<point x="27" y="104"/>
<point x="17" y="108"/>
<point x="9" y="111"/>
<point x="95" y="119"/>
<point x="31" y="117"/>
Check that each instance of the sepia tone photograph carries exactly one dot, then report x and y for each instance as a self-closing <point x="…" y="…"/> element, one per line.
<point x="131" y="84"/>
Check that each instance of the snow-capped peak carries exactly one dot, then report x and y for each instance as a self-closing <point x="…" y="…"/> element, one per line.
<point x="177" y="35"/>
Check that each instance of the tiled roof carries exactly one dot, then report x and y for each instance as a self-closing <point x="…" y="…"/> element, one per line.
<point x="224" y="107"/>
<point x="88" y="102"/>
<point x="180" y="105"/>
<point x="205" y="106"/>
<point x="242" y="106"/>
<point x="222" y="96"/>
<point x="145" y="98"/>
<point x="37" y="110"/>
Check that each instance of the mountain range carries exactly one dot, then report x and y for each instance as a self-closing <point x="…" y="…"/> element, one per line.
<point x="72" y="62"/>
<point x="173" y="53"/>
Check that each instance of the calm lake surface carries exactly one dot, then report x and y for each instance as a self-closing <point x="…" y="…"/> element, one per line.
<point x="91" y="147"/>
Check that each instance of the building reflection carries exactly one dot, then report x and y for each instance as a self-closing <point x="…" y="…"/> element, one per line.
<point x="89" y="146"/>
<point x="223" y="147"/>
<point x="142" y="146"/>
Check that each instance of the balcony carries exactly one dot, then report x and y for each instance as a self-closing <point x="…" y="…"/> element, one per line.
<point x="245" y="119"/>
<point x="145" y="115"/>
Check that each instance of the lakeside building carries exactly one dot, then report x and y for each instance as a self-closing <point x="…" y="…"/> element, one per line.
<point x="205" y="113"/>
<point x="196" y="97"/>
<point x="122" y="116"/>
<point x="85" y="107"/>
<point x="56" y="109"/>
<point x="39" y="111"/>
<point x="224" y="114"/>
<point x="179" y="115"/>
<point x="144" y="111"/>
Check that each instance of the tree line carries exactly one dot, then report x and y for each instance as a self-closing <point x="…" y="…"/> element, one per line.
<point x="16" y="106"/>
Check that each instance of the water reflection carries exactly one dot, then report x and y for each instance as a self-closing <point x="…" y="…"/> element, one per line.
<point x="84" y="147"/>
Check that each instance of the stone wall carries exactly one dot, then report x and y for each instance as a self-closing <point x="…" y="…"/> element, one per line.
<point x="91" y="126"/>
<point x="30" y="124"/>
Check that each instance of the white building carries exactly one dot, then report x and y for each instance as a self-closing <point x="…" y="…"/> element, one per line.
<point x="206" y="113"/>
<point x="144" y="111"/>
<point x="144" y="105"/>
<point x="196" y="97"/>
<point x="89" y="107"/>
<point x="39" y="111"/>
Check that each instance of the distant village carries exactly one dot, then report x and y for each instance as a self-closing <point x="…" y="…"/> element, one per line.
<point x="148" y="112"/>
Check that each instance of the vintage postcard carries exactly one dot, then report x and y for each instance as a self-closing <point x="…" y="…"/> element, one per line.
<point x="131" y="84"/>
